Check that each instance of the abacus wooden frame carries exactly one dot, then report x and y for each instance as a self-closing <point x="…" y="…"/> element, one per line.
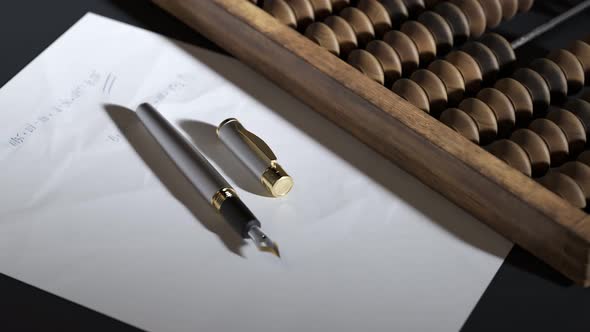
<point x="508" y="201"/>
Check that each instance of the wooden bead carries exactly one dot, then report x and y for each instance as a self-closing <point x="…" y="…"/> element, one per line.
<point x="440" y="30"/>
<point x="360" y="23"/>
<point x="415" y="6"/>
<point x="485" y="58"/>
<point x="397" y="11"/>
<point x="518" y="95"/>
<point x="377" y="14"/>
<point x="565" y="187"/>
<point x="389" y="59"/>
<point x="483" y="116"/>
<point x="512" y="154"/>
<point x="344" y="34"/>
<point x="322" y="35"/>
<point x="434" y="88"/>
<point x="452" y="79"/>
<point x="501" y="49"/>
<point x="456" y="19"/>
<point x="493" y="12"/>
<point x="572" y="68"/>
<point x="475" y="16"/>
<point x="303" y="11"/>
<point x="584" y="157"/>
<point x="367" y="64"/>
<point x="536" y="149"/>
<point x="525" y="5"/>
<point x="412" y="92"/>
<point x="321" y="8"/>
<point x="461" y="123"/>
<point x="280" y="10"/>
<point x="581" y="109"/>
<point x="582" y="51"/>
<point x="572" y="127"/>
<point x="468" y="68"/>
<point x="555" y="139"/>
<point x="580" y="173"/>
<point x="537" y="87"/>
<point x="554" y="77"/>
<point x="405" y="48"/>
<point x="501" y="106"/>
<point x="338" y="5"/>
<point x="422" y="38"/>
<point x="509" y="8"/>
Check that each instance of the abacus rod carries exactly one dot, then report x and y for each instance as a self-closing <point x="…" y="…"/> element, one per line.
<point x="550" y="24"/>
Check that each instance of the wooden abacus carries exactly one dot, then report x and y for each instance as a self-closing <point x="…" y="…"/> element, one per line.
<point x="423" y="84"/>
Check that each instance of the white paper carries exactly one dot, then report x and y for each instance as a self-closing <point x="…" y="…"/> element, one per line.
<point x="93" y="211"/>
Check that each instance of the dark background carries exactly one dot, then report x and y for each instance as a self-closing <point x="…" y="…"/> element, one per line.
<point x="524" y="295"/>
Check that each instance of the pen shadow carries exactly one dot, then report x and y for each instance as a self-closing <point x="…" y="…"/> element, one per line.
<point x="409" y="189"/>
<point x="168" y="174"/>
<point x="204" y="137"/>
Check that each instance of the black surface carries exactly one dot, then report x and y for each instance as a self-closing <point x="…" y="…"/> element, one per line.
<point x="524" y="295"/>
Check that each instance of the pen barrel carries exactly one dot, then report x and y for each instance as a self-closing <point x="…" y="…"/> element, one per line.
<point x="193" y="165"/>
<point x="231" y="133"/>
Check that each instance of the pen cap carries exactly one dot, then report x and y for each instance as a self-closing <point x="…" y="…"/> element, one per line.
<point x="256" y="155"/>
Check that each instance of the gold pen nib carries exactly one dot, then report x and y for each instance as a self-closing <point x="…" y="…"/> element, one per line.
<point x="263" y="242"/>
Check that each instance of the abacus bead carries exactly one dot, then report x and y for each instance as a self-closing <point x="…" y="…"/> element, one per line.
<point x="572" y="128"/>
<point x="469" y="69"/>
<point x="554" y="77"/>
<point x="537" y="87"/>
<point x="536" y="149"/>
<point x="493" y="12"/>
<point x="412" y="92"/>
<point x="483" y="116"/>
<point x="475" y="16"/>
<point x="525" y="5"/>
<point x="367" y="64"/>
<point x="422" y="38"/>
<point x="456" y="19"/>
<point x="360" y="23"/>
<point x="501" y="49"/>
<point x="581" y="109"/>
<point x="440" y="30"/>
<point x="555" y="139"/>
<point x="303" y="11"/>
<point x="337" y="5"/>
<point x="580" y="173"/>
<point x="322" y="35"/>
<point x="461" y="123"/>
<point x="415" y="6"/>
<point x="565" y="187"/>
<point x="572" y="68"/>
<point x="582" y="51"/>
<point x="451" y="77"/>
<point x="485" y="58"/>
<point x="397" y="11"/>
<point x="518" y="95"/>
<point x="434" y="88"/>
<point x="512" y="154"/>
<point x="280" y="10"/>
<point x="405" y="48"/>
<point x="509" y="8"/>
<point x="501" y="106"/>
<point x="377" y="14"/>
<point x="389" y="59"/>
<point x="321" y="8"/>
<point x="344" y="34"/>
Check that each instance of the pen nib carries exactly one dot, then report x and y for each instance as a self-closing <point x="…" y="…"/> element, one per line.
<point x="263" y="242"/>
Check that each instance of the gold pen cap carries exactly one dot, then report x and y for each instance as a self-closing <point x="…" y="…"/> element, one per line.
<point x="256" y="155"/>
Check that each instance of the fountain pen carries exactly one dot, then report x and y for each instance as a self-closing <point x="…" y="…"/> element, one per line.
<point x="205" y="178"/>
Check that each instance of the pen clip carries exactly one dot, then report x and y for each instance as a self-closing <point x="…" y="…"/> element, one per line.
<point x="256" y="144"/>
